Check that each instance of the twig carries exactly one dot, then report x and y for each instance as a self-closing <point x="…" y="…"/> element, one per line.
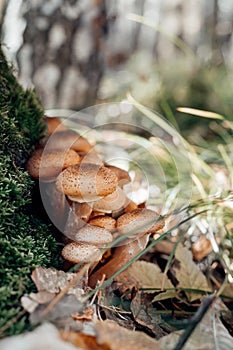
<point x="193" y="322"/>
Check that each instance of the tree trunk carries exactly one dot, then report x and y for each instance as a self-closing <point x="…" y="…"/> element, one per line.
<point x="62" y="50"/>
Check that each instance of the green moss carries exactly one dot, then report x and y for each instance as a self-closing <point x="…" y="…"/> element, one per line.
<point x="25" y="241"/>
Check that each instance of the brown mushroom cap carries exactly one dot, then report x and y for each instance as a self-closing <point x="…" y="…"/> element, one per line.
<point x="90" y="157"/>
<point x="81" y="253"/>
<point x="112" y="202"/>
<point x="104" y="221"/>
<point x="130" y="206"/>
<point x="68" y="139"/>
<point x="47" y="165"/>
<point x="122" y="175"/>
<point x="94" y="235"/>
<point x="54" y="124"/>
<point x="139" y="222"/>
<point x="87" y="181"/>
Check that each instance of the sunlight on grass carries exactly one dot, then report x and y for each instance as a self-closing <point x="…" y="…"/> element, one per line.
<point x="200" y="113"/>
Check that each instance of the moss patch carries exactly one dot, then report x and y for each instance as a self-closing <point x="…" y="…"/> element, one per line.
<point x="25" y="241"/>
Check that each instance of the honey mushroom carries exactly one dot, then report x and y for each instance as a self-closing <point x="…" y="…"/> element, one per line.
<point x="54" y="155"/>
<point x="45" y="166"/>
<point x="66" y="139"/>
<point x="84" y="184"/>
<point x="81" y="253"/>
<point x="87" y="182"/>
<point x="99" y="209"/>
<point x="141" y="223"/>
<point x="104" y="221"/>
<point x="54" y="124"/>
<point x="122" y="175"/>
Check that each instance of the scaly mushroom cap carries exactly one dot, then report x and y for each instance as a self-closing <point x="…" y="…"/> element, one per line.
<point x="112" y="202"/>
<point x="94" y="235"/>
<point x="54" y="124"/>
<point x="105" y="221"/>
<point x="47" y="165"/>
<point x="139" y="222"/>
<point x="81" y="253"/>
<point x="68" y="139"/>
<point x="122" y="175"/>
<point x="87" y="181"/>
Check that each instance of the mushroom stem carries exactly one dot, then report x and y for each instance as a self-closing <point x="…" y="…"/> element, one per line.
<point x="122" y="255"/>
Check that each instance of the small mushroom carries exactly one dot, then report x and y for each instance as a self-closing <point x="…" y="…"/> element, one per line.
<point x="139" y="222"/>
<point x="112" y="202"/>
<point x="104" y="221"/>
<point x="68" y="139"/>
<point x="54" y="124"/>
<point x="81" y="253"/>
<point x="87" y="182"/>
<point x="122" y="175"/>
<point x="94" y="235"/>
<point x="46" y="165"/>
<point x="82" y="210"/>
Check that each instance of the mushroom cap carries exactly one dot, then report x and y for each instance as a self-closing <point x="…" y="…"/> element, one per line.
<point x="139" y="222"/>
<point x="48" y="164"/>
<point x="54" y="124"/>
<point x="81" y="253"/>
<point x="68" y="139"/>
<point x="130" y="206"/>
<point x="87" y="181"/>
<point x="94" y="235"/>
<point x="90" y="157"/>
<point x="104" y="221"/>
<point x="112" y="202"/>
<point x="122" y="175"/>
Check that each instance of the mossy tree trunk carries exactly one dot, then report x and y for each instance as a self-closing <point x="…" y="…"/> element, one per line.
<point x="25" y="241"/>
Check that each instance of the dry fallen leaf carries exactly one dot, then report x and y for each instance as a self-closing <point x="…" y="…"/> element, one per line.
<point x="149" y="275"/>
<point x="188" y="274"/>
<point x="228" y="290"/>
<point x="149" y="317"/>
<point x="115" y="337"/>
<point x="53" y="281"/>
<point x="210" y="334"/>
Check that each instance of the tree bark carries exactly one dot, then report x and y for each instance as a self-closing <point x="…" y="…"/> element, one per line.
<point x="62" y="50"/>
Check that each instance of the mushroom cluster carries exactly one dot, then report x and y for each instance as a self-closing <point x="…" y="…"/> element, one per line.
<point x="88" y="201"/>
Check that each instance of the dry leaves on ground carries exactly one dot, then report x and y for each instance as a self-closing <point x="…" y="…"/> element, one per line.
<point x="209" y="334"/>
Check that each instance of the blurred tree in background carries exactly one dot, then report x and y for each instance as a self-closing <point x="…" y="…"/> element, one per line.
<point x="167" y="53"/>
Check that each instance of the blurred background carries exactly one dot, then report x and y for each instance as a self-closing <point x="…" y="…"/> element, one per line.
<point x="167" y="53"/>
